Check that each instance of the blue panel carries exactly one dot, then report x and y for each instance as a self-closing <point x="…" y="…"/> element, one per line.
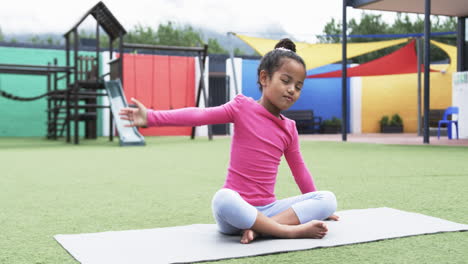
<point x="321" y="95"/>
<point x="360" y="3"/>
<point x="249" y="79"/>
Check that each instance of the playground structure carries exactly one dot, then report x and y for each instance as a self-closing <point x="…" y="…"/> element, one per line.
<point x="362" y="121"/>
<point x="201" y="54"/>
<point x="73" y="90"/>
<point x="52" y="75"/>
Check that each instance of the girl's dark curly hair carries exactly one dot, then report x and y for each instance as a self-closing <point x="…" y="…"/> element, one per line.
<point x="273" y="60"/>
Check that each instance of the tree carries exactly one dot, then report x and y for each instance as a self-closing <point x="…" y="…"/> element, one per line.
<point x="172" y="35"/>
<point x="239" y="52"/>
<point x="214" y="47"/>
<point x="373" y="24"/>
<point x="141" y="34"/>
<point x="35" y="39"/>
<point x="331" y="30"/>
<point x="2" y="38"/>
<point x="168" y="34"/>
<point x="50" y="40"/>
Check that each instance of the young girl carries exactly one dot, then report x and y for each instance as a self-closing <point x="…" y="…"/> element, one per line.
<point x="246" y="204"/>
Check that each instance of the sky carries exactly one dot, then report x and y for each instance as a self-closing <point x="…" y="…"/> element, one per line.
<point x="302" y="19"/>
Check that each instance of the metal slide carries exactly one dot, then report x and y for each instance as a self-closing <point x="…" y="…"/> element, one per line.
<point x="129" y="136"/>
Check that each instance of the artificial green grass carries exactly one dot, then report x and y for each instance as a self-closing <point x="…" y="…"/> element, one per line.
<point x="50" y="187"/>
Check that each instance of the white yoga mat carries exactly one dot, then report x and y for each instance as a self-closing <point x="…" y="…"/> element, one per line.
<point x="202" y="242"/>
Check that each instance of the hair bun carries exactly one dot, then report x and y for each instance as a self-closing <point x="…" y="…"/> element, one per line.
<point x="286" y="44"/>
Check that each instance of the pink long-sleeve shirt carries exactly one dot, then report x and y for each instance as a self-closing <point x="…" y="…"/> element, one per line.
<point x="259" y="141"/>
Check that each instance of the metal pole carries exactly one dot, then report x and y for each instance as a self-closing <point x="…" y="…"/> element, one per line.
<point x="67" y="93"/>
<point x="55" y="88"/>
<point x="205" y="95"/>
<point x="418" y="51"/>
<point x="461" y="35"/>
<point x="111" y="129"/>
<point x="121" y="58"/>
<point x="344" y="84"/>
<point x="111" y="49"/>
<point x="231" y="55"/>
<point x="98" y="51"/>
<point x="427" y="36"/>
<point x="75" y="86"/>
<point x="49" y="103"/>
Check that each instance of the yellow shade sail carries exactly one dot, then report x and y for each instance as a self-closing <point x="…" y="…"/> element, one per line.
<point x="451" y="52"/>
<point x="316" y="55"/>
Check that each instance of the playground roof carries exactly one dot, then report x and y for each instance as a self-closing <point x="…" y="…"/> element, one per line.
<point x="106" y="20"/>
<point x="402" y="61"/>
<point x="316" y="55"/>
<point x="32" y="69"/>
<point x="458" y="8"/>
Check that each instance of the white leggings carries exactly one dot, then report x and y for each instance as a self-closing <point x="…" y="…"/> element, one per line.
<point x="233" y="214"/>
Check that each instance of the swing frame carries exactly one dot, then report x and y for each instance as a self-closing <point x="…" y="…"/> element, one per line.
<point x="201" y="52"/>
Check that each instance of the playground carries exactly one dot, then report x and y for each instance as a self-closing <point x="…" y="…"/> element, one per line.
<point x="71" y="167"/>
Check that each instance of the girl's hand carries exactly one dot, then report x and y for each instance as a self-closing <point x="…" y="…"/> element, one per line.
<point x="136" y="116"/>
<point x="333" y="217"/>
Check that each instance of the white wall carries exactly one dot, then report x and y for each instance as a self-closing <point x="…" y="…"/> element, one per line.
<point x="201" y="131"/>
<point x="229" y="72"/>
<point x="232" y="87"/>
<point x="460" y="99"/>
<point x="355" y="115"/>
<point x="105" y="99"/>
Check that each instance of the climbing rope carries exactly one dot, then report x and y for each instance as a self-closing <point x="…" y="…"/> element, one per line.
<point x="20" y="98"/>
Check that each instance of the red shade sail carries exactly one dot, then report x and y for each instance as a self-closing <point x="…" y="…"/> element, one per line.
<point x="401" y="61"/>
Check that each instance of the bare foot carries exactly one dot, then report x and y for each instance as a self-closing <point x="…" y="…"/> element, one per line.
<point x="312" y="229"/>
<point x="248" y="236"/>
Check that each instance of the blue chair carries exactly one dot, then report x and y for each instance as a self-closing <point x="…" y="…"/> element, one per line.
<point x="449" y="111"/>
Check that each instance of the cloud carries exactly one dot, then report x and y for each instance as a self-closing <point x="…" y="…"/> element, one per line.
<point x="301" y="18"/>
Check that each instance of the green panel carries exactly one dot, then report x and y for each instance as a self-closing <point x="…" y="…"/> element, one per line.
<point x="26" y="119"/>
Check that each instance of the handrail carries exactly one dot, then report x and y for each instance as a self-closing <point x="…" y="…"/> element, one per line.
<point x="161" y="47"/>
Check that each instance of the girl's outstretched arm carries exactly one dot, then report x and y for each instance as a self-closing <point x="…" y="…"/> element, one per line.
<point x="190" y="116"/>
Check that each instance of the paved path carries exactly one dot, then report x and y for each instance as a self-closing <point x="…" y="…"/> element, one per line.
<point x="379" y="138"/>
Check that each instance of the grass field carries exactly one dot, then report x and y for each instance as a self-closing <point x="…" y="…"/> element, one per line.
<point x="50" y="187"/>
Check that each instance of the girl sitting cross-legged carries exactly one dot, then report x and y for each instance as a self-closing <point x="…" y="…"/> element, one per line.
<point x="247" y="204"/>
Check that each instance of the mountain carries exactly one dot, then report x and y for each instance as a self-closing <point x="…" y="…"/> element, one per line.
<point x="271" y="32"/>
<point x="43" y="38"/>
<point x="225" y="41"/>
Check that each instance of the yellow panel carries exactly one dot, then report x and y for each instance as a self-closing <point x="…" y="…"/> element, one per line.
<point x="451" y="52"/>
<point x="441" y="90"/>
<point x="263" y="46"/>
<point x="440" y="67"/>
<point x="316" y="55"/>
<point x="387" y="95"/>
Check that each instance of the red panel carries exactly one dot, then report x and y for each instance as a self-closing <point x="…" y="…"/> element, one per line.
<point x="401" y="61"/>
<point x="190" y="96"/>
<point x="143" y="70"/>
<point x="129" y="76"/>
<point x="161" y="83"/>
